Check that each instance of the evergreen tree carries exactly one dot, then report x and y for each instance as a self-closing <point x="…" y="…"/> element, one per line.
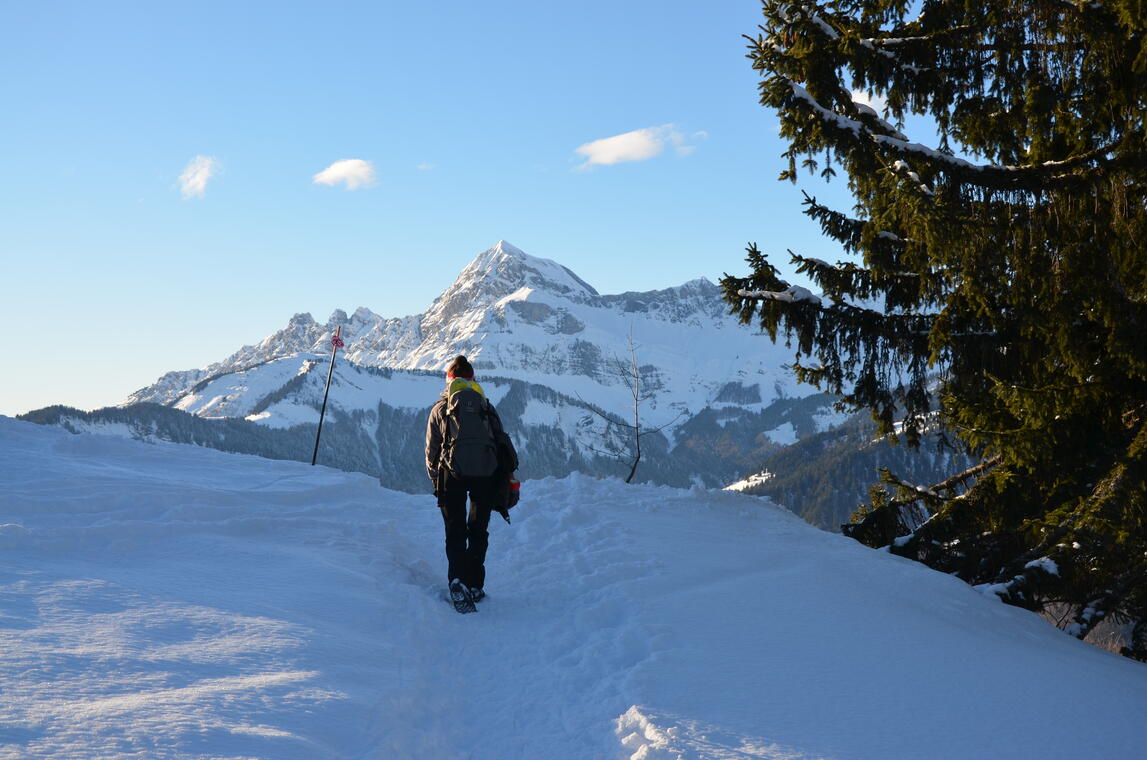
<point x="1008" y="259"/>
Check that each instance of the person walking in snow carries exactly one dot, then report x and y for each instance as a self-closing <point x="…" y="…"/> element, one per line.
<point x="463" y="436"/>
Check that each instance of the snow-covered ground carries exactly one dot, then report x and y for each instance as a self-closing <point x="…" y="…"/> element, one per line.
<point x="164" y="601"/>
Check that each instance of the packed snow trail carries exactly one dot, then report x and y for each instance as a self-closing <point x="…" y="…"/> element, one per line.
<point x="164" y="601"/>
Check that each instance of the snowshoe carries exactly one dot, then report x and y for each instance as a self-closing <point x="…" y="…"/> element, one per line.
<point x="460" y="597"/>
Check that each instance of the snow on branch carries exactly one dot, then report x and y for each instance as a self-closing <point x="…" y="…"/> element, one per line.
<point x="791" y="294"/>
<point x="820" y="22"/>
<point x="901" y="144"/>
<point x="868" y="43"/>
<point x="894" y="41"/>
<point x="883" y="52"/>
<point x="951" y="484"/>
<point x="901" y="166"/>
<point x="1047" y="564"/>
<point x="1016" y="586"/>
<point x="844" y="122"/>
<point x="809" y="13"/>
<point x="871" y="112"/>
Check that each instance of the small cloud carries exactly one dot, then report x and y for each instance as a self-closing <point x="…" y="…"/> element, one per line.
<point x="426" y="167"/>
<point x="198" y="172"/>
<point x="679" y="145"/>
<point x="638" y="145"/>
<point x="876" y="102"/>
<point x="352" y="172"/>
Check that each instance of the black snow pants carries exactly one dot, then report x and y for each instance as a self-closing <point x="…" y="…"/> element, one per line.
<point x="467" y="530"/>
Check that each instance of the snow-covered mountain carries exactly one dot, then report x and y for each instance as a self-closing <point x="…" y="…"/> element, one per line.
<point x="553" y="354"/>
<point x="162" y="601"/>
<point x="527" y="318"/>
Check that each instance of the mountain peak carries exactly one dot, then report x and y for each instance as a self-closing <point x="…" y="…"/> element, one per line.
<point x="501" y="291"/>
<point x="508" y="249"/>
<point x="303" y="318"/>
<point x="504" y="268"/>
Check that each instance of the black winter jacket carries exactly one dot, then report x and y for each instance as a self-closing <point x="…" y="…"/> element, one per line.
<point x="436" y="433"/>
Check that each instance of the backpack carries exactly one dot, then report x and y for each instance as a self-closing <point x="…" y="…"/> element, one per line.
<point x="506" y="491"/>
<point x="468" y="446"/>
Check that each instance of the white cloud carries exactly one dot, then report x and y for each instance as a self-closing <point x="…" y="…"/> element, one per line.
<point x="679" y="144"/>
<point x="638" y="145"/>
<point x="352" y="172"/>
<point x="427" y="167"/>
<point x="198" y="172"/>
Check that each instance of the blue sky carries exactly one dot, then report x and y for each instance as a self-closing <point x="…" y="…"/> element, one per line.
<point x="468" y="116"/>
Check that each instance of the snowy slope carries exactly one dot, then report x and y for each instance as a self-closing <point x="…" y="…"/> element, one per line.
<point x="257" y="393"/>
<point x="164" y="601"/>
<point x="254" y="393"/>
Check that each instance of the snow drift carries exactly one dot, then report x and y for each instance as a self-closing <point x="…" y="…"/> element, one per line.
<point x="167" y="601"/>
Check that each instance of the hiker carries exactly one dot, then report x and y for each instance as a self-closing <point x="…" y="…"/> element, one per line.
<point x="463" y="438"/>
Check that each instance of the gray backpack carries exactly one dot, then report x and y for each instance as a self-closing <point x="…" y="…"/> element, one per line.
<point x="468" y="448"/>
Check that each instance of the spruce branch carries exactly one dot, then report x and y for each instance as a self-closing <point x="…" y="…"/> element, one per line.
<point x="1035" y="177"/>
